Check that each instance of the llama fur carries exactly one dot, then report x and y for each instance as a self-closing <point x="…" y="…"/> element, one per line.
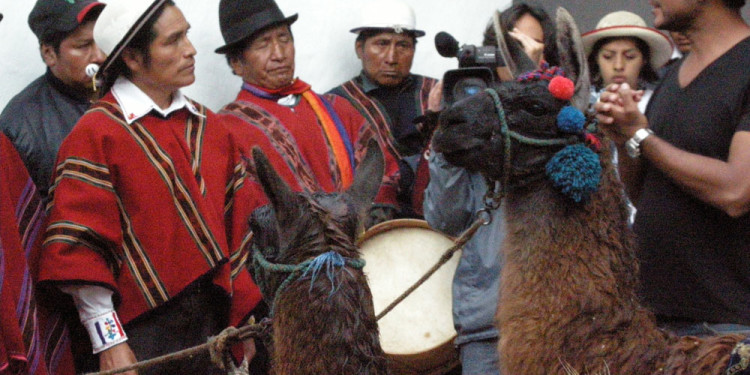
<point x="568" y="295"/>
<point x="321" y="325"/>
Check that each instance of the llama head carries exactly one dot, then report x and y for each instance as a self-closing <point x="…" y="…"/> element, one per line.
<point x="298" y="226"/>
<point x="515" y="128"/>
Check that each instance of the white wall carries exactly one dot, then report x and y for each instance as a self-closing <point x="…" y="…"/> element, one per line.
<point x="325" y="47"/>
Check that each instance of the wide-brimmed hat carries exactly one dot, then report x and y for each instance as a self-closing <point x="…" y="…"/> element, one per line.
<point x="627" y="24"/>
<point x="391" y="15"/>
<point x="241" y="19"/>
<point x="118" y="23"/>
<point x="54" y="16"/>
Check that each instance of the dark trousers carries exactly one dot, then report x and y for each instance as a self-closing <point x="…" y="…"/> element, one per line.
<point x="188" y="320"/>
<point x="199" y="311"/>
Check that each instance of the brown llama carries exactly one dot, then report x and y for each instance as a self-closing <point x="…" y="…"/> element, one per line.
<point x="568" y="286"/>
<point x="309" y="269"/>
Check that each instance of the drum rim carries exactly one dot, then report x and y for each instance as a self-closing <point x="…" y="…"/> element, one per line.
<point x="398" y="223"/>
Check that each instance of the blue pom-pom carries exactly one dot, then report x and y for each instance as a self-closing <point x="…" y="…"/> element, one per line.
<point x="575" y="170"/>
<point x="571" y="120"/>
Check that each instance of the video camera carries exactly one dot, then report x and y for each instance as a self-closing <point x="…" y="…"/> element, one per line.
<point x="476" y="67"/>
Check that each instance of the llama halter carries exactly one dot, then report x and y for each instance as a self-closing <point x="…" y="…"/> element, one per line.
<point x="574" y="170"/>
<point x="328" y="261"/>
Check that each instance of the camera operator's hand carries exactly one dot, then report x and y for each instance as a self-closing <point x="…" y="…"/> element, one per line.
<point x="435" y="99"/>
<point x="532" y="47"/>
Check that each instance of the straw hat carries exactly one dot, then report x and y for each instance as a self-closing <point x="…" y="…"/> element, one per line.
<point x="627" y="24"/>
<point x="388" y="15"/>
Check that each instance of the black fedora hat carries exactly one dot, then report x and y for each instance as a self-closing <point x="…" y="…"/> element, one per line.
<point x="240" y="19"/>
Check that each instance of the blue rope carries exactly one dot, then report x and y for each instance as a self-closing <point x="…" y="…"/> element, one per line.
<point x="328" y="261"/>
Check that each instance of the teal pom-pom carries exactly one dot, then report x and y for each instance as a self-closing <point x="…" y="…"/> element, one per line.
<point x="576" y="171"/>
<point x="571" y="120"/>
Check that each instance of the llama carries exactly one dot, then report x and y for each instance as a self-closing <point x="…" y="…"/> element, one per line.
<point x="568" y="286"/>
<point x="323" y="315"/>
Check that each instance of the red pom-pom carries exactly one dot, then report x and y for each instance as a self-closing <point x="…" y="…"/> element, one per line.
<point x="593" y="142"/>
<point x="562" y="88"/>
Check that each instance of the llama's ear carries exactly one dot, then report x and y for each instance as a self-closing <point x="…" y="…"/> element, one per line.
<point x="368" y="176"/>
<point x="276" y="189"/>
<point x="573" y="58"/>
<point x="510" y="50"/>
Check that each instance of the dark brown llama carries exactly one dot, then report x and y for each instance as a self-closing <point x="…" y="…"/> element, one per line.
<point x="310" y="271"/>
<point x="568" y="286"/>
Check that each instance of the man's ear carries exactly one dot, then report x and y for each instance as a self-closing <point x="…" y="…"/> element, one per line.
<point x="48" y="54"/>
<point x="236" y="64"/>
<point x="359" y="48"/>
<point x="133" y="60"/>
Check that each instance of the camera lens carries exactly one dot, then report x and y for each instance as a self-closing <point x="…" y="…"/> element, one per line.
<point x="467" y="87"/>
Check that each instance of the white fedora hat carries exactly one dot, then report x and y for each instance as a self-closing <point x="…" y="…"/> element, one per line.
<point x="627" y="24"/>
<point x="388" y="14"/>
<point x="118" y="23"/>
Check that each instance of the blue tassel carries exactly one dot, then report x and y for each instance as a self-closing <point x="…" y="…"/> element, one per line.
<point x="328" y="261"/>
<point x="576" y="171"/>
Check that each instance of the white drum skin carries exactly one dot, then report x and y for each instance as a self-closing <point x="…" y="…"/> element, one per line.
<point x="417" y="335"/>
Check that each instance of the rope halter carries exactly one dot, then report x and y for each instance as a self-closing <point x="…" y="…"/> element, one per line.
<point x="328" y="261"/>
<point x="575" y="169"/>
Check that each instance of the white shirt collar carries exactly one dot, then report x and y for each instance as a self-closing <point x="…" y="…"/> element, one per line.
<point x="136" y="104"/>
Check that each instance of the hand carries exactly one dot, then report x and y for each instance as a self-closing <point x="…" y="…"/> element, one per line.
<point x="532" y="48"/>
<point x="618" y="113"/>
<point x="435" y="98"/>
<point x="118" y="356"/>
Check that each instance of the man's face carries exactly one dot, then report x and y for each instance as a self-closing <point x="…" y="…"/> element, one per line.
<point x="268" y="61"/>
<point x="386" y="57"/>
<point x="76" y="52"/>
<point x="674" y="15"/>
<point x="172" y="56"/>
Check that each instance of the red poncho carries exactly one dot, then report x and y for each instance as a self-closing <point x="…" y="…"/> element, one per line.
<point x="295" y="142"/>
<point x="147" y="208"/>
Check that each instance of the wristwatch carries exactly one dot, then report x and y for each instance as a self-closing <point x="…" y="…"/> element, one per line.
<point x="633" y="145"/>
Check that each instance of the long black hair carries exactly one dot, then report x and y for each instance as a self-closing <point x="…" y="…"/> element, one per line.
<point x="510" y="16"/>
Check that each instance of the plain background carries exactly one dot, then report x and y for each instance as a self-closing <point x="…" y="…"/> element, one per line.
<point x="325" y="47"/>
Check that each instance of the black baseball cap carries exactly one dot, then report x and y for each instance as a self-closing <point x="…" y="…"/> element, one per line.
<point x="54" y="16"/>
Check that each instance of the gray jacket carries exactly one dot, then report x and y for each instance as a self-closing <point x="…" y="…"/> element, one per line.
<point x="37" y="120"/>
<point x="451" y="202"/>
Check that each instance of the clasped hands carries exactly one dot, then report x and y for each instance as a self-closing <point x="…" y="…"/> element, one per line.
<point x="618" y="113"/>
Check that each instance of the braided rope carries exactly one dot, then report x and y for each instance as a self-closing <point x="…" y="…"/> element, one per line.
<point x="294" y="270"/>
<point x="218" y="347"/>
<point x="508" y="134"/>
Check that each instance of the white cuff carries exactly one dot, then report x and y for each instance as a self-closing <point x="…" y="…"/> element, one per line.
<point x="105" y="331"/>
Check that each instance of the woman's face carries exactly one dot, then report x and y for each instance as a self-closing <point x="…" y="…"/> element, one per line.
<point x="620" y="61"/>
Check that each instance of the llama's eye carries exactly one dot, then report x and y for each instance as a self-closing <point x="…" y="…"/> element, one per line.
<point x="535" y="109"/>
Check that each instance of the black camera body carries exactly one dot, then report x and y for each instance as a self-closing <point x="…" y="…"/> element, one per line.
<point x="476" y="67"/>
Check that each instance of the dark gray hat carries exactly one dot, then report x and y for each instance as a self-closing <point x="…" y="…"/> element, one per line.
<point x="241" y="19"/>
<point x="60" y="16"/>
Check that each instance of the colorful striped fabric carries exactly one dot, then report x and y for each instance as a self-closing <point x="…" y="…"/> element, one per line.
<point x="344" y="155"/>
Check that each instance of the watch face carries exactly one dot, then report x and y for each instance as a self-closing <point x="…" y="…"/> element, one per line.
<point x="632" y="148"/>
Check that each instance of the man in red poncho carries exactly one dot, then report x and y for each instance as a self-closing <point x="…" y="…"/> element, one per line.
<point x="149" y="208"/>
<point x="313" y="141"/>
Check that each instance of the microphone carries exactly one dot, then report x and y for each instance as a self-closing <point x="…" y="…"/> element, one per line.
<point x="446" y="44"/>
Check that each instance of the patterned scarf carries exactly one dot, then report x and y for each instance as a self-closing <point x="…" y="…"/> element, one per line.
<point x="332" y="125"/>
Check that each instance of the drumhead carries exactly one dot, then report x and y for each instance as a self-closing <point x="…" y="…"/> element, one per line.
<point x="397" y="254"/>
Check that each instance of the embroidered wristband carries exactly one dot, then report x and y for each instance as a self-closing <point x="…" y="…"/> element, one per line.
<point x="105" y="331"/>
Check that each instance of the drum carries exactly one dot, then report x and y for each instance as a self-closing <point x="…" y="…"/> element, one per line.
<point x="417" y="335"/>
